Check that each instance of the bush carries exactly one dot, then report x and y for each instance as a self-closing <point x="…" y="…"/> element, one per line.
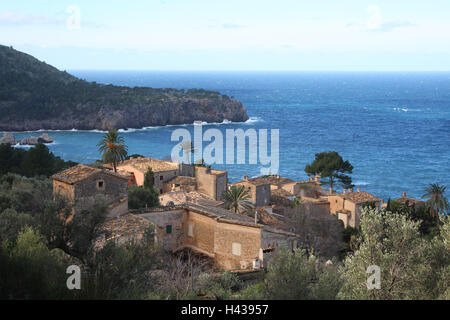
<point x="221" y="286"/>
<point x="139" y="197"/>
<point x="297" y="276"/>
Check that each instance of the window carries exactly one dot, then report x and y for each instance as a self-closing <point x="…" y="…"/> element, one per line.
<point x="160" y="191"/>
<point x="160" y="177"/>
<point x="236" y="249"/>
<point x="100" y="185"/>
<point x="169" y="229"/>
<point x="191" y="230"/>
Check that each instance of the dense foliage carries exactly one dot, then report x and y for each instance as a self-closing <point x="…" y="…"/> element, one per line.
<point x="332" y="168"/>
<point x="146" y="196"/>
<point x="37" y="161"/>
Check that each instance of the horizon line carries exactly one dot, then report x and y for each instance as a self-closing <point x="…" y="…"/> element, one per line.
<point x="256" y="71"/>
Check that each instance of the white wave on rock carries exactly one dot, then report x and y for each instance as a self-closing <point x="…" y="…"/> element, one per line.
<point x="361" y="183"/>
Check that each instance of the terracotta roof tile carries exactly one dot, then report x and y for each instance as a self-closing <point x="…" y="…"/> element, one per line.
<point x="281" y="193"/>
<point x="273" y="180"/>
<point x="182" y="180"/>
<point x="358" y="197"/>
<point x="81" y="172"/>
<point x="411" y="201"/>
<point x="142" y="164"/>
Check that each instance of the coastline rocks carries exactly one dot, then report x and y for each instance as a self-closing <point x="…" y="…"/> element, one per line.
<point x="8" y="138"/>
<point x="31" y="141"/>
<point x="45" y="138"/>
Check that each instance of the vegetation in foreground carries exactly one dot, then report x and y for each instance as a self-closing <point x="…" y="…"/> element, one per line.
<point x="413" y="265"/>
<point x="410" y="245"/>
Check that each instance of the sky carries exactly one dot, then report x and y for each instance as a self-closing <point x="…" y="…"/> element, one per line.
<point x="231" y="35"/>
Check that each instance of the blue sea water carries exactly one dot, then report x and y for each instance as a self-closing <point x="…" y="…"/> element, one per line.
<point x="393" y="127"/>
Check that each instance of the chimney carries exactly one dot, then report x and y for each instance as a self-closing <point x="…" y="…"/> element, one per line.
<point x="350" y="190"/>
<point x="404" y="194"/>
<point x="245" y="178"/>
<point x="359" y="189"/>
<point x="345" y="191"/>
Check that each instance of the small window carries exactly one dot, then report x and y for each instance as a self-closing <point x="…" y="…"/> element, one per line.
<point x="236" y="249"/>
<point x="191" y="230"/>
<point x="160" y="177"/>
<point x="160" y="191"/>
<point x="100" y="185"/>
<point x="169" y="229"/>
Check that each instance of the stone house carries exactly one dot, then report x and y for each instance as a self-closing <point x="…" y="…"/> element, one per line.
<point x="262" y="188"/>
<point x="411" y="201"/>
<point x="171" y="176"/>
<point x="163" y="170"/>
<point x="210" y="182"/>
<point x="348" y="205"/>
<point x="259" y="189"/>
<point x="80" y="184"/>
<point x="234" y="241"/>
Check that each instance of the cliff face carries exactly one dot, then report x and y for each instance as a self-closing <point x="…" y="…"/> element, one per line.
<point x="183" y="111"/>
<point x="34" y="95"/>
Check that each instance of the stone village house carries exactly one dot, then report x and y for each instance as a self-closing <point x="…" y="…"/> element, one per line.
<point x="347" y="206"/>
<point x="262" y="189"/>
<point x="234" y="241"/>
<point x="80" y="184"/>
<point x="171" y="177"/>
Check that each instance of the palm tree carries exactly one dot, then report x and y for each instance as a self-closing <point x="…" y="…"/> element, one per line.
<point x="113" y="148"/>
<point x="237" y="198"/>
<point x="436" y="200"/>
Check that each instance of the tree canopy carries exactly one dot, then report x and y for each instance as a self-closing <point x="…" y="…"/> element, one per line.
<point x="331" y="167"/>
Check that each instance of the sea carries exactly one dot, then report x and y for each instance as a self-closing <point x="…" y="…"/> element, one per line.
<point x="394" y="128"/>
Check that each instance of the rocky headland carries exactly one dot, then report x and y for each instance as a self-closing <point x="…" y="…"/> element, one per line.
<point x="36" y="96"/>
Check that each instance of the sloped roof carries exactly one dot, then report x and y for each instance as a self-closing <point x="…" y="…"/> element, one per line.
<point x="124" y="228"/>
<point x="411" y="201"/>
<point x="82" y="172"/>
<point x="280" y="192"/>
<point x="143" y="164"/>
<point x="358" y="197"/>
<point x="221" y="214"/>
<point x="178" y="197"/>
<point x="273" y="180"/>
<point x="182" y="180"/>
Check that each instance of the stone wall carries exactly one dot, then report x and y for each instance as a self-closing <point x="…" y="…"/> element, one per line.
<point x="236" y="246"/>
<point x="199" y="232"/>
<point x="259" y="194"/>
<point x="111" y="187"/>
<point x="175" y="221"/>
<point x="212" y="183"/>
<point x="221" y="186"/>
<point x="64" y="190"/>
<point x="262" y="195"/>
<point x="270" y="240"/>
